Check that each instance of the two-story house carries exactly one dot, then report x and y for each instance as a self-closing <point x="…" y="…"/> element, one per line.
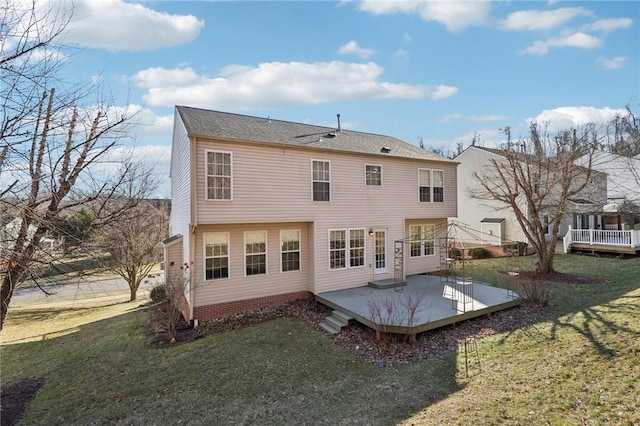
<point x="495" y="223"/>
<point x="267" y="211"/>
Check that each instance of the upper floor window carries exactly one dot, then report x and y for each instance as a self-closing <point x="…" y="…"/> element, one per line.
<point x="216" y="255"/>
<point x="290" y="250"/>
<point x="373" y="175"/>
<point x="321" y="181"/>
<point x="431" y="185"/>
<point x="218" y="169"/>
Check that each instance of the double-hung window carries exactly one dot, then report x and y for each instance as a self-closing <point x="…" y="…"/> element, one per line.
<point x="290" y="250"/>
<point x="255" y="252"/>
<point x="438" y="186"/>
<point x="216" y="255"/>
<point x="373" y="175"/>
<point x="338" y="249"/>
<point x="218" y="179"/>
<point x="346" y="248"/>
<point x="421" y="240"/>
<point x="430" y="185"/>
<point x="321" y="181"/>
<point x="356" y="247"/>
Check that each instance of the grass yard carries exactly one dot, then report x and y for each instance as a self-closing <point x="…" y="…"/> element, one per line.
<point x="582" y="366"/>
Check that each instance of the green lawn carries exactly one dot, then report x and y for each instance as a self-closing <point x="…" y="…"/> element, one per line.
<point x="580" y="367"/>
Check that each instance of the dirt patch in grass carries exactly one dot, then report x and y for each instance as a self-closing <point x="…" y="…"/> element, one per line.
<point x="392" y="349"/>
<point x="16" y="397"/>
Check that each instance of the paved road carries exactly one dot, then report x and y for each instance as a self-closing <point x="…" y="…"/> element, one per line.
<point x="81" y="289"/>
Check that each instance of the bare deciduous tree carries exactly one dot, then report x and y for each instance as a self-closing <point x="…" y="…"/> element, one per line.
<point x="134" y="244"/>
<point x="537" y="176"/>
<point x="56" y="145"/>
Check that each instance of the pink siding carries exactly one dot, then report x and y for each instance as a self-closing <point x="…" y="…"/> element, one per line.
<point x="240" y="287"/>
<point x="421" y="264"/>
<point x="272" y="191"/>
<point x="180" y="180"/>
<point x="275" y="177"/>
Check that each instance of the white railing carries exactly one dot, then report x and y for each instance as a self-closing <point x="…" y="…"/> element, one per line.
<point x="611" y="226"/>
<point x="603" y="237"/>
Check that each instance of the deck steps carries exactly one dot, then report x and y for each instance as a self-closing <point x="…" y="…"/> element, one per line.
<point x="387" y="283"/>
<point x="333" y="323"/>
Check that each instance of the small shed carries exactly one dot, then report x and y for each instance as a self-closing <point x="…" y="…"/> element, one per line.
<point x="492" y="230"/>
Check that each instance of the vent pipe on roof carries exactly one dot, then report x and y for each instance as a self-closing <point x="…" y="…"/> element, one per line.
<point x="339" y="129"/>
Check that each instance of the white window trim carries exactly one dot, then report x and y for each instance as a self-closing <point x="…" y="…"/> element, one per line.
<point x="291" y="251"/>
<point x="431" y="185"/>
<point x="364" y="248"/>
<point x="347" y="260"/>
<point x="423" y="239"/>
<point x="312" y="180"/>
<point x="365" y="175"/>
<point x="266" y="253"/>
<point x="206" y="175"/>
<point x="205" y="257"/>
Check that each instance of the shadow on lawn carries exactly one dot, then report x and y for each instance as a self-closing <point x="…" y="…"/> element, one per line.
<point x="593" y="321"/>
<point x="284" y="372"/>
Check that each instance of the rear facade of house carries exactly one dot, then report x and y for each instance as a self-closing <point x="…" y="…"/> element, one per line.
<point x="267" y="211"/>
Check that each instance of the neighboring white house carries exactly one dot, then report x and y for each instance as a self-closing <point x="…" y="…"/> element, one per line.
<point x="267" y="211"/>
<point x="494" y="223"/>
<point x="9" y="234"/>
<point x="623" y="185"/>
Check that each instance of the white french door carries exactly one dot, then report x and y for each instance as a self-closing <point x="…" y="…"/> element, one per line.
<point x="380" y="252"/>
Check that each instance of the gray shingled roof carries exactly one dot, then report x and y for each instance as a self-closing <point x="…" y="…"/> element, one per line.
<point x="205" y="123"/>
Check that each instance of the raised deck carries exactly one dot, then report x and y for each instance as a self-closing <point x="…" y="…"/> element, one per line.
<point x="388" y="310"/>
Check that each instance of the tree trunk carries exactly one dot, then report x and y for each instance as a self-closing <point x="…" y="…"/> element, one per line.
<point x="545" y="262"/>
<point x="6" y="292"/>
<point x="5" y="295"/>
<point x="134" y="291"/>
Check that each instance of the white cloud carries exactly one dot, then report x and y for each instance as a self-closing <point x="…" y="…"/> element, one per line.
<point x="278" y="84"/>
<point x="177" y="77"/>
<point x="607" y="25"/>
<point x="536" y="48"/>
<point x="155" y="157"/>
<point x="455" y="15"/>
<point x="472" y="117"/>
<point x="613" y="63"/>
<point x="406" y="38"/>
<point x="120" y="25"/>
<point x="539" y="20"/>
<point x="568" y="117"/>
<point x="352" y="48"/>
<point x="577" y="39"/>
<point x="402" y="53"/>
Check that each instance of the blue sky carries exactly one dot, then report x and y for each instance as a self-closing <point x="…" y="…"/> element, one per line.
<point x="440" y="71"/>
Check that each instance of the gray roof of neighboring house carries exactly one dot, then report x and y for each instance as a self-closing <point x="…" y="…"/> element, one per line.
<point x="206" y="123"/>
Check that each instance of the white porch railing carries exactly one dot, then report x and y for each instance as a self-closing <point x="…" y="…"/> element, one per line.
<point x="601" y="237"/>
